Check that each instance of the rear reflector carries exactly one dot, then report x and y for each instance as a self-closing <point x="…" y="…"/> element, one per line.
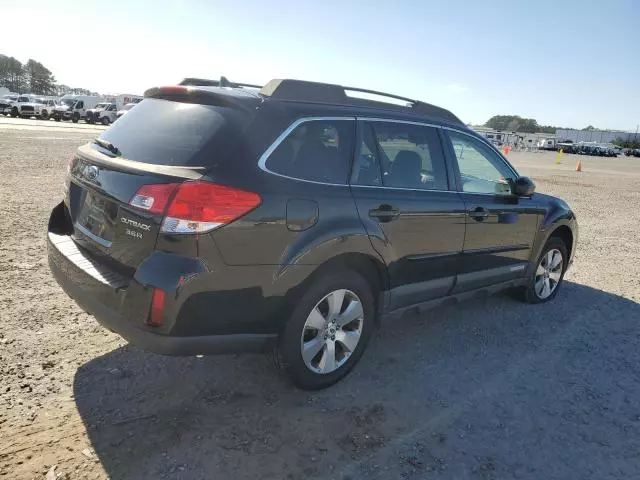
<point x="194" y="207"/>
<point x="156" y="316"/>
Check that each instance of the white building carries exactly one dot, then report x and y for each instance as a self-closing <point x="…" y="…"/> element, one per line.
<point x="599" y="136"/>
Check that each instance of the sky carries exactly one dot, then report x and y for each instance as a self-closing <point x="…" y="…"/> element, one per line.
<point x="568" y="63"/>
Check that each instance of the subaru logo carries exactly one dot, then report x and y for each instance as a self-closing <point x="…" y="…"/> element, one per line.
<point x="90" y="172"/>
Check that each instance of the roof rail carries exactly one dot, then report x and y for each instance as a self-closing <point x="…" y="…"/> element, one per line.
<point x="300" y="90"/>
<point x="223" y="82"/>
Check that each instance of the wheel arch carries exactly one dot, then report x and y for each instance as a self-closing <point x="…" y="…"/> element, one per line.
<point x="369" y="267"/>
<point x="564" y="233"/>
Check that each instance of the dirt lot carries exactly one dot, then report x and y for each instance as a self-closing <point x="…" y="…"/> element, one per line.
<point x="490" y="389"/>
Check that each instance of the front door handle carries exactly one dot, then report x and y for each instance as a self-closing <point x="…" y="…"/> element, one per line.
<point x="384" y="213"/>
<point x="479" y="214"/>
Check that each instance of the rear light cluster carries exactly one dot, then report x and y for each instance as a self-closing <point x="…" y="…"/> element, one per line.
<point x="194" y="207"/>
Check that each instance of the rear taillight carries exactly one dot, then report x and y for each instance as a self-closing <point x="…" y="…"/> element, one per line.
<point x="154" y="198"/>
<point x="195" y="207"/>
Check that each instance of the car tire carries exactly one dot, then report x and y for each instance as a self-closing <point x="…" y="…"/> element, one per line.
<point x="44" y="115"/>
<point x="14" y="113"/>
<point x="545" y="283"/>
<point x="89" y="119"/>
<point x="106" y="121"/>
<point x="316" y="326"/>
<point x="57" y="119"/>
<point x="75" y="118"/>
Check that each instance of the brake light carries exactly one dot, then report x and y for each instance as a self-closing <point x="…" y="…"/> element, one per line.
<point x="154" y="198"/>
<point x="156" y="316"/>
<point x="194" y="207"/>
<point x="201" y="206"/>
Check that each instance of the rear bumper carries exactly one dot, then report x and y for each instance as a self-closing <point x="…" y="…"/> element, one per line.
<point x="101" y="293"/>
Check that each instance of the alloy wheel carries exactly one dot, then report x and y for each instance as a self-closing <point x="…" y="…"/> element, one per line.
<point x="332" y="331"/>
<point x="548" y="273"/>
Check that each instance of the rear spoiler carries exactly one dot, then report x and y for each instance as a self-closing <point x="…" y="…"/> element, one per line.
<point x="223" y="82"/>
<point x="184" y="94"/>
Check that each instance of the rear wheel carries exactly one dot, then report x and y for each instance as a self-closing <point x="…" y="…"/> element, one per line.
<point x="14" y="112"/>
<point x="89" y="119"/>
<point x="549" y="273"/>
<point x="105" y="121"/>
<point x="328" y="330"/>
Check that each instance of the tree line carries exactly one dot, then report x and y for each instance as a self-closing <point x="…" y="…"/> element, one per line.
<point x="515" y="123"/>
<point x="33" y="77"/>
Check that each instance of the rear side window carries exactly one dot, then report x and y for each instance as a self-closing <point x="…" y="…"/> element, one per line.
<point x="317" y="150"/>
<point x="163" y="132"/>
<point x="401" y="155"/>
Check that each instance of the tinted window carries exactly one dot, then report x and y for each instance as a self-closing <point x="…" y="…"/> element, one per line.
<point x="79" y="105"/>
<point x="481" y="169"/>
<point x="409" y="156"/>
<point x="318" y="150"/>
<point x="173" y="133"/>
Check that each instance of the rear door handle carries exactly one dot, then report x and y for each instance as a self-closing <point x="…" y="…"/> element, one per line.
<point x="479" y="214"/>
<point x="384" y="213"/>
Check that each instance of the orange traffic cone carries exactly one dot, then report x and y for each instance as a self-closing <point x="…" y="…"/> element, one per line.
<point x="579" y="166"/>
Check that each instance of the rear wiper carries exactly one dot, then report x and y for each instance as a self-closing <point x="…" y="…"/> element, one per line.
<point x="109" y="146"/>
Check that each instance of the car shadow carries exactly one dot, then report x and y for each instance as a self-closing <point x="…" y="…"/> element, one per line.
<point x="235" y="416"/>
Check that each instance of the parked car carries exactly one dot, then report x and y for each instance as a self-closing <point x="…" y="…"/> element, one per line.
<point x="104" y="113"/>
<point x="294" y="218"/>
<point x="40" y="108"/>
<point x="125" y="109"/>
<point x="6" y="103"/>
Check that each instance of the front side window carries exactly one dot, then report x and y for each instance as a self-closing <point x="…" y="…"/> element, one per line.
<point x="404" y="155"/>
<point x="481" y="169"/>
<point x="79" y="105"/>
<point x="317" y="150"/>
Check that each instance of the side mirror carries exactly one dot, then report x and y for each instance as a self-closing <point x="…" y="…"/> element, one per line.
<point x="523" y="187"/>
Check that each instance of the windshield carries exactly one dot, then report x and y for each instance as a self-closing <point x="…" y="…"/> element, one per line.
<point x="10" y="97"/>
<point x="40" y="100"/>
<point x="23" y="99"/>
<point x="69" y="101"/>
<point x="103" y="105"/>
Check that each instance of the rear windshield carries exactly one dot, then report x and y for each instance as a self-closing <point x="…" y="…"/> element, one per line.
<point x="163" y="132"/>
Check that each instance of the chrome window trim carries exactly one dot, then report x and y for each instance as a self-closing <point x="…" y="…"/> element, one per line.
<point x="404" y="188"/>
<point x="262" y="161"/>
<point x="276" y="143"/>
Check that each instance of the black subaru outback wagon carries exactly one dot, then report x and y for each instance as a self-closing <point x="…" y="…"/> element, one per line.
<point x="216" y="217"/>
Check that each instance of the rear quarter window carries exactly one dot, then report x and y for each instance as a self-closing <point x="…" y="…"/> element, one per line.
<point x="164" y="132"/>
<point x="316" y="150"/>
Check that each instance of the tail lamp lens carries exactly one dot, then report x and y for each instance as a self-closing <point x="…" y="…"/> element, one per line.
<point x="195" y="207"/>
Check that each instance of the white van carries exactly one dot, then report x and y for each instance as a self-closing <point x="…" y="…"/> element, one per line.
<point x="74" y="107"/>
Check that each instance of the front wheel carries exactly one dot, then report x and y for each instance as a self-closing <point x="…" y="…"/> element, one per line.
<point x="106" y="121"/>
<point x="549" y="273"/>
<point x="44" y="115"/>
<point x="328" y="330"/>
<point x="75" y="118"/>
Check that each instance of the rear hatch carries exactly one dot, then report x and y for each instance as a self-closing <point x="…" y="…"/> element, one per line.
<point x="120" y="184"/>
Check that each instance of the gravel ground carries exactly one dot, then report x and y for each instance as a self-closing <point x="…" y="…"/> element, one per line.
<point x="491" y="388"/>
